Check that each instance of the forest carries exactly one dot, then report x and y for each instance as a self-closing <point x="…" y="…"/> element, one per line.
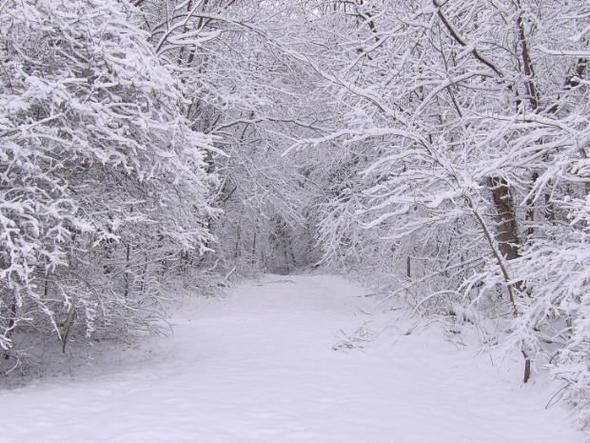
<point x="434" y="150"/>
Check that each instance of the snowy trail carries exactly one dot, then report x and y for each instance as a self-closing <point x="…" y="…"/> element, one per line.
<point x="258" y="366"/>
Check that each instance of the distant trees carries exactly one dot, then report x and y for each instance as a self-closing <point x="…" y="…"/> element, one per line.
<point x="102" y="179"/>
<point x="243" y="89"/>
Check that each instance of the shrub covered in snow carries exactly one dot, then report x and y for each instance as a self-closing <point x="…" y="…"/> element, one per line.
<point x="102" y="180"/>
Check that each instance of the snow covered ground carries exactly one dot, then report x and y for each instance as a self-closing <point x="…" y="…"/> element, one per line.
<point x="260" y="366"/>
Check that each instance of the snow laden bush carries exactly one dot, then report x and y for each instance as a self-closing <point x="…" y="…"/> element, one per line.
<point x="103" y="184"/>
<point x="556" y="319"/>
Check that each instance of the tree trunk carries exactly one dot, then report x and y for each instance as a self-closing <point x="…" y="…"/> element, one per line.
<point x="507" y="229"/>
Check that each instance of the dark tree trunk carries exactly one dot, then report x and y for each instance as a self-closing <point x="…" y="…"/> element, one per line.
<point x="507" y="229"/>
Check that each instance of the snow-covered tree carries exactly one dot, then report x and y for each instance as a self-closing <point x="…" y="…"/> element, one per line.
<point x="468" y="126"/>
<point x="101" y="176"/>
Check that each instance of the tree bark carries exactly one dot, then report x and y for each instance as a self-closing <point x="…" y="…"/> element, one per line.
<point x="507" y="229"/>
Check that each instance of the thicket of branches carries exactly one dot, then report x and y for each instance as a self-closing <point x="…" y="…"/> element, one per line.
<point x="103" y="183"/>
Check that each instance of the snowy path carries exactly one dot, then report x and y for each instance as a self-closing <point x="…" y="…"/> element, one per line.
<point x="259" y="367"/>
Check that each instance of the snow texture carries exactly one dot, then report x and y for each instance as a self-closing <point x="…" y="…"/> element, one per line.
<point x="270" y="363"/>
